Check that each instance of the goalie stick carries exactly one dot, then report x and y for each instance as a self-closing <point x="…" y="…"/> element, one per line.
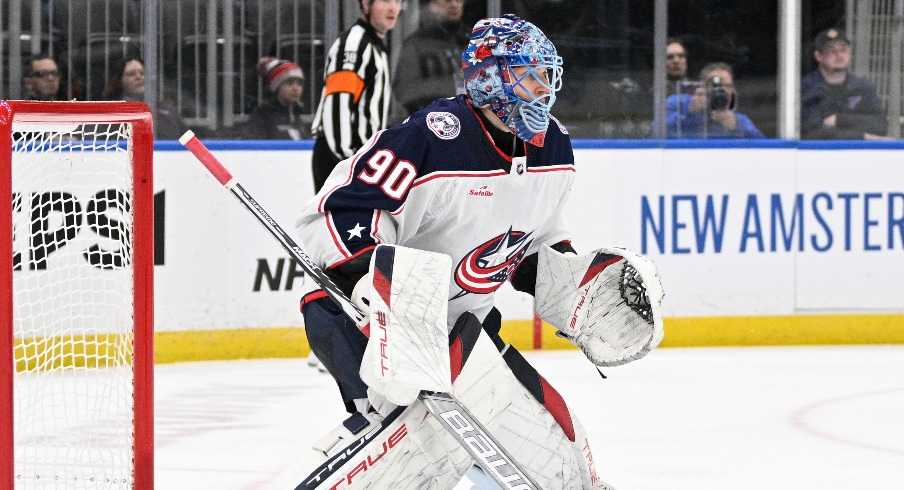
<point x="455" y="418"/>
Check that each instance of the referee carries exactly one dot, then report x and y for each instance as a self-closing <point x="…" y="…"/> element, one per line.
<point x="354" y="104"/>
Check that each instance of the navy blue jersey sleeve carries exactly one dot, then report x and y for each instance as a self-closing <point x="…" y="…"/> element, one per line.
<point x="377" y="182"/>
<point x="382" y="173"/>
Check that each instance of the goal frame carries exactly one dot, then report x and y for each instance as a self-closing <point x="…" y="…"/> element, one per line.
<point x="142" y="144"/>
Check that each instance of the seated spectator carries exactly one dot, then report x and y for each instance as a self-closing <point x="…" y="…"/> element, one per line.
<point x="126" y="82"/>
<point x="429" y="63"/>
<point x="280" y="115"/>
<point x="835" y="103"/>
<point x="710" y="111"/>
<point x="42" y="78"/>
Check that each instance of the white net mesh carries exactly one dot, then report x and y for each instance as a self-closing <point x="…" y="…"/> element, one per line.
<point x="73" y="306"/>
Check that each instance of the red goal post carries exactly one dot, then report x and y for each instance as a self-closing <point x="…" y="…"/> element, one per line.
<point x="76" y="295"/>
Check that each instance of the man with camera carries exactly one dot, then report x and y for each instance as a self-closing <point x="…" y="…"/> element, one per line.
<point x="835" y="103"/>
<point x="708" y="110"/>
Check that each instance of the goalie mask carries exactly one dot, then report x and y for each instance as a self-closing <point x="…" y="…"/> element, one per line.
<point x="498" y="45"/>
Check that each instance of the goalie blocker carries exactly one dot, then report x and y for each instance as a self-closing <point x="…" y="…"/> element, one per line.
<point x="606" y="302"/>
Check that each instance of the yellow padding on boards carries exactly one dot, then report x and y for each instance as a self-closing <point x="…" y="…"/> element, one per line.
<point x="254" y="343"/>
<point x="290" y="342"/>
<point x="784" y="330"/>
<point x="240" y="343"/>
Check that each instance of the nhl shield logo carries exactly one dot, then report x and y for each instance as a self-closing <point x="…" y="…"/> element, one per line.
<point x="444" y="124"/>
<point x="519" y="169"/>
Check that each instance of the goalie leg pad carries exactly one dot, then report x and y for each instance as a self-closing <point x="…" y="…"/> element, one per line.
<point x="525" y="427"/>
<point x="408" y="348"/>
<point x="607" y="302"/>
<point x="462" y="339"/>
<point x="406" y="450"/>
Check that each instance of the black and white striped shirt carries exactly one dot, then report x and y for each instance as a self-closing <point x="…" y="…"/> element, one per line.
<point x="354" y="104"/>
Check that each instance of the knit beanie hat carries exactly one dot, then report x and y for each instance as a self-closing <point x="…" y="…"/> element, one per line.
<point x="274" y="72"/>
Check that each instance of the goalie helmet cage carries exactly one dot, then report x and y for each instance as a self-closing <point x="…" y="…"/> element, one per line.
<point x="76" y="295"/>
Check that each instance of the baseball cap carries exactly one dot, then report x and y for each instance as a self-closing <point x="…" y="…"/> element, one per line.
<point x="829" y="36"/>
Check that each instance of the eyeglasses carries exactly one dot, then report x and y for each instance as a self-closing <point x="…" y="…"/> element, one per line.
<point x="673" y="56"/>
<point x="46" y="74"/>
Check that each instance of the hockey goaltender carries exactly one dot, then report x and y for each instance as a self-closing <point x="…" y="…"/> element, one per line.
<point x="421" y="227"/>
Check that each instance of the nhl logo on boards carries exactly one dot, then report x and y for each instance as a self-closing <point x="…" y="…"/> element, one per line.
<point x="444" y="124"/>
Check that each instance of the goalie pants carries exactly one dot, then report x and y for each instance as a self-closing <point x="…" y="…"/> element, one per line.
<point x="339" y="346"/>
<point x="493" y="380"/>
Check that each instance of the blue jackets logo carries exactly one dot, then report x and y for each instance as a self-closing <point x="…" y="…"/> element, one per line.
<point x="484" y="269"/>
<point x="445" y="125"/>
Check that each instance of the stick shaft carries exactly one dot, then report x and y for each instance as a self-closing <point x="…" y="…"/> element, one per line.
<point x="495" y="461"/>
<point x="311" y="269"/>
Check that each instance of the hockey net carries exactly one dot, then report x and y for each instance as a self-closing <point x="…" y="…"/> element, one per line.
<point x="76" y="266"/>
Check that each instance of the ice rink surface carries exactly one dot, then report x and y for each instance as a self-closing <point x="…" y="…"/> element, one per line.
<point x="784" y="418"/>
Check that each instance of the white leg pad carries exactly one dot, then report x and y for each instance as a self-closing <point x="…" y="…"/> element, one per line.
<point x="523" y="426"/>
<point x="411" y="452"/>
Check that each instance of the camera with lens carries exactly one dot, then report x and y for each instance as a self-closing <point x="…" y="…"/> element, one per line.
<point x="718" y="97"/>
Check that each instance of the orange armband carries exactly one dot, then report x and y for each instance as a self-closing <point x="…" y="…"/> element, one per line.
<point x="344" y="81"/>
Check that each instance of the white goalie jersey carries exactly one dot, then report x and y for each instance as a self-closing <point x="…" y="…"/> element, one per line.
<point x="430" y="184"/>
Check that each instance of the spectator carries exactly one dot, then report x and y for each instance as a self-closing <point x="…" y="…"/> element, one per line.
<point x="42" y="78"/>
<point x="676" y="64"/>
<point x="430" y="59"/>
<point x="279" y="116"/>
<point x="710" y="111"/>
<point x="355" y="101"/>
<point x="835" y="103"/>
<point x="632" y="106"/>
<point x="126" y="82"/>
